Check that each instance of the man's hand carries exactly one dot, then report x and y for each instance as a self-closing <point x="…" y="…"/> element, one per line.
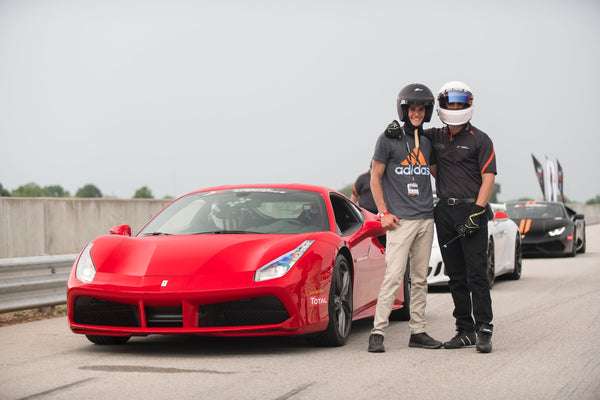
<point x="472" y="222"/>
<point x="393" y="130"/>
<point x="389" y="222"/>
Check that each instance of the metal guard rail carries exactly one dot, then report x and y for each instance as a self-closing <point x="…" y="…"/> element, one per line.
<point x="34" y="282"/>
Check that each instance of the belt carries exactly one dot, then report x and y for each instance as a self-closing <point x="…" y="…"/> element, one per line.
<point x="452" y="201"/>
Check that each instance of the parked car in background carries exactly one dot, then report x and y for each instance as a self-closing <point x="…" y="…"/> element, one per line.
<point x="504" y="251"/>
<point x="548" y="228"/>
<point x="252" y="260"/>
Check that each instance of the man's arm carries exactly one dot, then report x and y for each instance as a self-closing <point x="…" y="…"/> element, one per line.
<point x="388" y="221"/>
<point x="487" y="186"/>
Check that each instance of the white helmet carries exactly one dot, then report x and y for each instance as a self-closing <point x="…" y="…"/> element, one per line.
<point x="224" y="216"/>
<point x="455" y="92"/>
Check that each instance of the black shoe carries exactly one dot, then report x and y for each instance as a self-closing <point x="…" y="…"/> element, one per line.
<point x="462" y="339"/>
<point x="376" y="344"/>
<point x="424" y="341"/>
<point x="484" y="340"/>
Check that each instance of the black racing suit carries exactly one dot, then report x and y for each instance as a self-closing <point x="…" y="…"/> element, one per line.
<point x="461" y="160"/>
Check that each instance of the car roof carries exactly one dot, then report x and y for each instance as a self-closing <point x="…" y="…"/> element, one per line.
<point x="325" y="191"/>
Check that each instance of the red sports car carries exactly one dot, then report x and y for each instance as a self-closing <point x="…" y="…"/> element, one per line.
<point x="235" y="261"/>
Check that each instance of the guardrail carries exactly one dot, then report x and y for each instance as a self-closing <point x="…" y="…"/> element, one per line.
<point x="34" y="282"/>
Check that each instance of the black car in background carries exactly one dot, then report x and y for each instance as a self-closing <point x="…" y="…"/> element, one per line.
<point x="548" y="228"/>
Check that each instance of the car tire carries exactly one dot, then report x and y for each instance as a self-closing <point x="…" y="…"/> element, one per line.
<point x="403" y="314"/>
<point x="491" y="264"/>
<point x="518" y="260"/>
<point x="107" y="340"/>
<point x="340" y="306"/>
<point x="573" y="252"/>
<point x="583" y="240"/>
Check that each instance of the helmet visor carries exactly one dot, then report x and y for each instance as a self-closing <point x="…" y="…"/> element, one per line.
<point x="455" y="96"/>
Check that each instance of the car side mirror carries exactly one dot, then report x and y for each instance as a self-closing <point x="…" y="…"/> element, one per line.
<point x="579" y="216"/>
<point x="500" y="215"/>
<point x="123" y="230"/>
<point x="371" y="228"/>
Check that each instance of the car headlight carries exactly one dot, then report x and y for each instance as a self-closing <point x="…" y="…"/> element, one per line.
<point x="557" y="231"/>
<point x="86" y="270"/>
<point x="280" y="266"/>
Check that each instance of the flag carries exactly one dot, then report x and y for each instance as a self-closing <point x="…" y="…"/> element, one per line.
<point x="560" y="181"/>
<point x="552" y="181"/>
<point x="539" y="171"/>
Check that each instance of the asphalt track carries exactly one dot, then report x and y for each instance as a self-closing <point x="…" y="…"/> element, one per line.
<point x="546" y="346"/>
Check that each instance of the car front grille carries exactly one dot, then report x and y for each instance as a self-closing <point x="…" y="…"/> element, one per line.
<point x="164" y="317"/>
<point x="554" y="246"/>
<point x="90" y="311"/>
<point x="267" y="310"/>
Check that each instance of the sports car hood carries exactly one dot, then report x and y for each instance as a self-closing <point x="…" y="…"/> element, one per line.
<point x="189" y="255"/>
<point x="540" y="225"/>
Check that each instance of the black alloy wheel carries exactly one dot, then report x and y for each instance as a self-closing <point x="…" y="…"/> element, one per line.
<point x="340" y="306"/>
<point x="518" y="260"/>
<point x="583" y="240"/>
<point x="573" y="252"/>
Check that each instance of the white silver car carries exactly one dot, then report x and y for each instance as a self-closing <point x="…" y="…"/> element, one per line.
<point x="504" y="251"/>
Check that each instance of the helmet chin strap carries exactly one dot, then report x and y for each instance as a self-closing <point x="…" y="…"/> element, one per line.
<point x="411" y="127"/>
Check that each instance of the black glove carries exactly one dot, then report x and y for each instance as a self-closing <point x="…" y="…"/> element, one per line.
<point x="393" y="130"/>
<point x="472" y="222"/>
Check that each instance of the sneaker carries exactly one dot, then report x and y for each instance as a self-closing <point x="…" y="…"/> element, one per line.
<point x="376" y="344"/>
<point x="484" y="340"/>
<point x="461" y="339"/>
<point x="424" y="341"/>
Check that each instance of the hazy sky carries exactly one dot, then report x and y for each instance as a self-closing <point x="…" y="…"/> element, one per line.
<point x="180" y="95"/>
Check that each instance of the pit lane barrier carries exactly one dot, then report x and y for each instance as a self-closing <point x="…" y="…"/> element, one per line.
<point x="34" y="282"/>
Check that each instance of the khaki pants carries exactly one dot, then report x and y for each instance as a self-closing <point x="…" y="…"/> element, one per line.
<point x="412" y="237"/>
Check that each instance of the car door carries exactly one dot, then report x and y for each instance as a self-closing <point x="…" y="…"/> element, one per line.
<point x="367" y="250"/>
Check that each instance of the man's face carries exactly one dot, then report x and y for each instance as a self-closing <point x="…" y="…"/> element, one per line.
<point x="456" y="106"/>
<point x="416" y="114"/>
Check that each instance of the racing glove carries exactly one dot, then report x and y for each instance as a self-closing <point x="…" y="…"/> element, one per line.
<point x="472" y="222"/>
<point x="393" y="130"/>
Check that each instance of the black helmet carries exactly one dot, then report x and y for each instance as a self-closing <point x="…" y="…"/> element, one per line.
<point x="415" y="94"/>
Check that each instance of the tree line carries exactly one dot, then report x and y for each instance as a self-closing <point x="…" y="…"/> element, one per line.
<point x="89" y="190"/>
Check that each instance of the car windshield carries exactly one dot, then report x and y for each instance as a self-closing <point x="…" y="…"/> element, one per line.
<point x="260" y="210"/>
<point x="535" y="210"/>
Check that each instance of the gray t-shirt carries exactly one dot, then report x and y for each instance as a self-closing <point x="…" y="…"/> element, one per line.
<point x="402" y="169"/>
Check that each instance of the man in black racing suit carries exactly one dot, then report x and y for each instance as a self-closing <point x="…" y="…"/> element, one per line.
<point x="465" y="175"/>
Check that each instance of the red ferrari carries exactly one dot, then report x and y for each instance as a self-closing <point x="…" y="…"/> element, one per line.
<point x="235" y="261"/>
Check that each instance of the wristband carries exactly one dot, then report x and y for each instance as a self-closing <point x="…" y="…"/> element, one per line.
<point x="381" y="214"/>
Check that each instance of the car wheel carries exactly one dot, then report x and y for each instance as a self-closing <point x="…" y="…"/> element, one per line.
<point x="491" y="264"/>
<point x="573" y="252"/>
<point x="516" y="274"/>
<point x="340" y="306"/>
<point x="403" y="314"/>
<point x="97" y="339"/>
<point x="583" y="241"/>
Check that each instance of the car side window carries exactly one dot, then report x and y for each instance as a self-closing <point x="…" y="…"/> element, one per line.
<point x="348" y="217"/>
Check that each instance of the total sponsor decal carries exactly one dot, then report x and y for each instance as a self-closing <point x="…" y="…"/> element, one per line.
<point x="412" y="170"/>
<point x="317" y="300"/>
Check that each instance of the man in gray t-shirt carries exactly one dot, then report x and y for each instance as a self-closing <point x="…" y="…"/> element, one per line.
<point x="401" y="187"/>
<point x="402" y="168"/>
